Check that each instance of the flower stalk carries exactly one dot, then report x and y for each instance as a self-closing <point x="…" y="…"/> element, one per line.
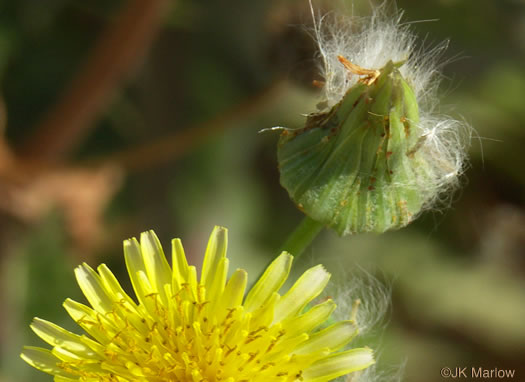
<point x="303" y="235"/>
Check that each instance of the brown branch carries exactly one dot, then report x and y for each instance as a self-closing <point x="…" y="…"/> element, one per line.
<point x="113" y="57"/>
<point x="172" y="147"/>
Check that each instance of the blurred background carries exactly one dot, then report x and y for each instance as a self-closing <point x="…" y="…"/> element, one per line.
<point x="117" y="117"/>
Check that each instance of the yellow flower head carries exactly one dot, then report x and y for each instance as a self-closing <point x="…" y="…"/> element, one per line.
<point x="186" y="330"/>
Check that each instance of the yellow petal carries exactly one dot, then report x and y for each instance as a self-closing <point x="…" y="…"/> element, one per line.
<point x="305" y="289"/>
<point x="339" y="364"/>
<point x="213" y="295"/>
<point x="311" y="319"/>
<point x="157" y="267"/>
<point x="91" y="285"/>
<point x="64" y="379"/>
<point x="192" y="281"/>
<point x="334" y="337"/>
<point x="150" y="294"/>
<point x="134" y="265"/>
<point x="271" y="281"/>
<point x="286" y="346"/>
<point x="234" y="291"/>
<point x="43" y="360"/>
<point x="263" y="315"/>
<point x="89" y="320"/>
<point x="67" y="356"/>
<point x="179" y="263"/>
<point x="57" y="336"/>
<point x="112" y="286"/>
<point x="93" y="345"/>
<point x="215" y="251"/>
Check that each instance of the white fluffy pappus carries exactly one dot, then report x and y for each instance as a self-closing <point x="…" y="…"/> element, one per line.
<point x="371" y="317"/>
<point x="374" y="299"/>
<point x="371" y="42"/>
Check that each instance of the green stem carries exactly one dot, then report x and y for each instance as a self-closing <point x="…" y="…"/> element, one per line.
<point x="301" y="237"/>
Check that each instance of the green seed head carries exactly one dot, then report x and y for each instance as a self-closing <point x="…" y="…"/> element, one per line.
<point x="359" y="167"/>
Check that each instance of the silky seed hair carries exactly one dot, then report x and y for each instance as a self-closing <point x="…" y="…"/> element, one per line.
<point x="372" y="316"/>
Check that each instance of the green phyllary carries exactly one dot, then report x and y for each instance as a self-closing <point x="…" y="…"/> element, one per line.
<point x="376" y="154"/>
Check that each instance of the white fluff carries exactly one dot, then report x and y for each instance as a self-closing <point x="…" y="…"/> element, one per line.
<point x="375" y="300"/>
<point x="371" y="42"/>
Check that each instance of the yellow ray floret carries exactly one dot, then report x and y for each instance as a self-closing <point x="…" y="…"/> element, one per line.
<point x="186" y="330"/>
